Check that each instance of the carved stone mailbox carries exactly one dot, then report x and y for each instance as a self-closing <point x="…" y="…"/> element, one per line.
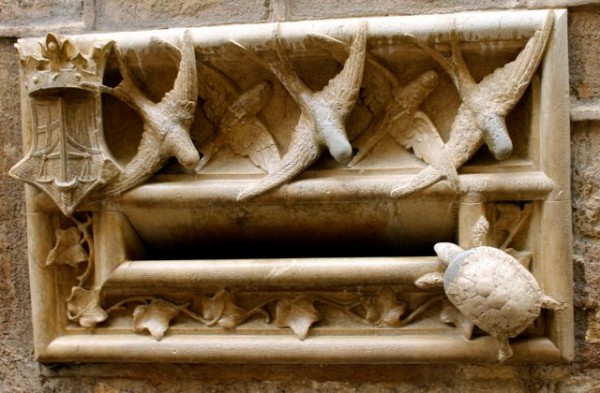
<point x="275" y="192"/>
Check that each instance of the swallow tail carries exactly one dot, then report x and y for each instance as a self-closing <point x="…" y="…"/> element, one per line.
<point x="423" y="179"/>
<point x="301" y="155"/>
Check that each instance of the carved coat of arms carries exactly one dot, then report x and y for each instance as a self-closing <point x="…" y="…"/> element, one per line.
<point x="68" y="158"/>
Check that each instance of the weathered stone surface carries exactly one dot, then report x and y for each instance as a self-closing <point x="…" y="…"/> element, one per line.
<point x="40" y="12"/>
<point x="156" y="14"/>
<point x="18" y="373"/>
<point x="317" y="9"/>
<point x="17" y="370"/>
<point x="304" y="378"/>
<point x="584" y="59"/>
<point x="586" y="225"/>
<point x="308" y="9"/>
<point x="585" y="150"/>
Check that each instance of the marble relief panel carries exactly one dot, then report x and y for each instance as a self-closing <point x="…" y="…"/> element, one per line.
<point x="357" y="190"/>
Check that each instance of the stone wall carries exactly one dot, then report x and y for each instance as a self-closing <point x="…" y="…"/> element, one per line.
<point x="18" y="372"/>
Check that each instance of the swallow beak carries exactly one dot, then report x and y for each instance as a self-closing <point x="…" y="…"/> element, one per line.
<point x="495" y="136"/>
<point x="180" y="146"/>
<point x="429" y="79"/>
<point x="338" y="145"/>
<point x="333" y="135"/>
<point x="341" y="151"/>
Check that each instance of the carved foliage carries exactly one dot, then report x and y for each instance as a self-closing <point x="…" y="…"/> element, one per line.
<point x="74" y="246"/>
<point x="84" y="307"/>
<point x="300" y="313"/>
<point x="154" y="317"/>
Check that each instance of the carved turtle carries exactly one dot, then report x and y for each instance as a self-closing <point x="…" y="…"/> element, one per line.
<point x="491" y="289"/>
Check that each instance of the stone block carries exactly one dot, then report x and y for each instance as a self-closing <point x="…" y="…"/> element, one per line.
<point x="585" y="149"/>
<point x="16" y="365"/>
<point x="318" y="9"/>
<point x="25" y="17"/>
<point x="584" y="53"/>
<point x="156" y="14"/>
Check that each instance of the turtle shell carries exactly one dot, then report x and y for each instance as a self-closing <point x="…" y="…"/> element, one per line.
<point x="493" y="290"/>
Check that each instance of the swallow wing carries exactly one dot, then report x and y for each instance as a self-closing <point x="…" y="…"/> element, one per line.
<point x="304" y="150"/>
<point x="246" y="134"/>
<point x="505" y="86"/>
<point x="465" y="137"/>
<point x="253" y="140"/>
<point x="378" y="82"/>
<point x="283" y="69"/>
<point x="379" y="86"/>
<point x="217" y="91"/>
<point x="427" y="144"/>
<point x="182" y="98"/>
<point x="342" y="91"/>
<point x="423" y="138"/>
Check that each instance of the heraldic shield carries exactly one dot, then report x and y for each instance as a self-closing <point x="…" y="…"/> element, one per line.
<point x="68" y="158"/>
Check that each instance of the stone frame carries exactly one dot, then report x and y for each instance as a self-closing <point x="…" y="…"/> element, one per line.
<point x="116" y="244"/>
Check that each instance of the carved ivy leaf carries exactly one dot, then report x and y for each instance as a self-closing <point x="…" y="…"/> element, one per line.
<point x="221" y="309"/>
<point x="298" y="314"/>
<point x="385" y="309"/>
<point x="68" y="249"/>
<point x="83" y="307"/>
<point x="154" y="317"/>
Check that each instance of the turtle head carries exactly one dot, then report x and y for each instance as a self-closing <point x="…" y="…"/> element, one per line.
<point x="447" y="252"/>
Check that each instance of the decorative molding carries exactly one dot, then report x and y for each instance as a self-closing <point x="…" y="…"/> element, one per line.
<point x="279" y="192"/>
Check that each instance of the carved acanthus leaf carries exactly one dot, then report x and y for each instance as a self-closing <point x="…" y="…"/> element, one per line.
<point x="298" y="314"/>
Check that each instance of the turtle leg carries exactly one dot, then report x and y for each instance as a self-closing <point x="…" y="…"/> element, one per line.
<point x="451" y="315"/>
<point x="504" y="350"/>
<point x="430" y="280"/>
<point x="552" y="304"/>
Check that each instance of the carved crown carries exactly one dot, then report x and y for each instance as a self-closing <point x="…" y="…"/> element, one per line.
<point x="60" y="64"/>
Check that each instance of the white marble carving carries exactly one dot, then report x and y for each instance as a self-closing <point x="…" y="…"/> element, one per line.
<point x="272" y="192"/>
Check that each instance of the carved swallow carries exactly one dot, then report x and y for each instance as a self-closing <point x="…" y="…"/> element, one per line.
<point x="485" y="105"/>
<point x="396" y="110"/>
<point x="322" y="114"/>
<point x="234" y="115"/>
<point x="166" y="123"/>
